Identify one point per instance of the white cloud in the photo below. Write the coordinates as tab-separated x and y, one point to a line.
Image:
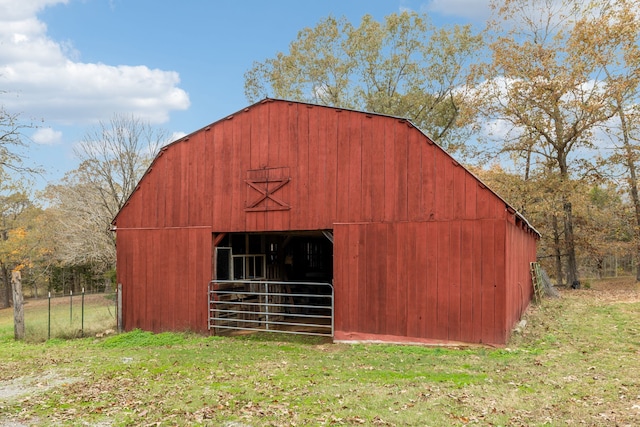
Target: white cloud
47	136
176	136
50	84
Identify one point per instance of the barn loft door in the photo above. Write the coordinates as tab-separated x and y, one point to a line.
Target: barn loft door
262	186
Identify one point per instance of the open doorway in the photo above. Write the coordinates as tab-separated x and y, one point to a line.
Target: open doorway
272	281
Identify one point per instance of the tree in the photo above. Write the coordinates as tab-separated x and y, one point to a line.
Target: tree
547	85
606	226
11	144
12	199
81	234
18	216
114	156
403	66
621	63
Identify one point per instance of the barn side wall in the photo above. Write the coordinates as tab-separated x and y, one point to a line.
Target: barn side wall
520	252
164	275
438	281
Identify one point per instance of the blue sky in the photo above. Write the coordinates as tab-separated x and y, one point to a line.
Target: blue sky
67	64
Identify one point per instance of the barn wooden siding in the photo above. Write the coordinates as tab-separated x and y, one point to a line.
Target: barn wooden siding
422	248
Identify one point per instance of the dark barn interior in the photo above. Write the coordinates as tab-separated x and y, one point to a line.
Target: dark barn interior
275	281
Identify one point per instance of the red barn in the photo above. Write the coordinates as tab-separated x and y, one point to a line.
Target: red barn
296	217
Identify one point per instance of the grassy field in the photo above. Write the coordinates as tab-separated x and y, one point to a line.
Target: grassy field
575	363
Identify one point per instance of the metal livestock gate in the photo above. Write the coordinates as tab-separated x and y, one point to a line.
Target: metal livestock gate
304	308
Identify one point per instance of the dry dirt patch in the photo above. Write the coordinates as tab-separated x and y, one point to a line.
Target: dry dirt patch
11	390
23	387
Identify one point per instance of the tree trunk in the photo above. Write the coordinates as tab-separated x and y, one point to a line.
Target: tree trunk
4	300
556	249
6	281
569	238
18	312
572	264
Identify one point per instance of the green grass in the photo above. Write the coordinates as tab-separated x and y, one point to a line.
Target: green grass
575	364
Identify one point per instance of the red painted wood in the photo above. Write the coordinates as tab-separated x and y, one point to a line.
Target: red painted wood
343	168
455	260
356	296
441	199
429	253
183	177
467	279
387	250
477	267
410	294
302	177
354	192
220	221
459	190
316	164
501	329
378	314
362	288
390	196
137	290
482	202
488	282
377	149
400	166
414	190
429	174
443	277
403	282
328	203
208	175
421	281
430	259
367	172
237	196
340	285
260	138
274	220
470	196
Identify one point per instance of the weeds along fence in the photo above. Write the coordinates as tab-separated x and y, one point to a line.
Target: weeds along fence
72	315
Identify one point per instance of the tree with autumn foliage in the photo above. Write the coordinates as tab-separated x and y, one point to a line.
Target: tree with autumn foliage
403	66
19	242
548	89
619	21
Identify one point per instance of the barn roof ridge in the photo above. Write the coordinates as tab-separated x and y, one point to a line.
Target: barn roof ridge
268	99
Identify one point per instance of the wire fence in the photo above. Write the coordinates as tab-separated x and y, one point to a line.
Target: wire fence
72	315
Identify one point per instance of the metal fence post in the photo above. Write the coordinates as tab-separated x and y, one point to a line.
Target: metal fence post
266	300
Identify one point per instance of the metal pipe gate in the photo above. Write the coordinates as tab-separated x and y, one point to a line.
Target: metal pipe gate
262	305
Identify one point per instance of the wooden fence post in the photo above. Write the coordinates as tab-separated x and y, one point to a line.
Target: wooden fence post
18	302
